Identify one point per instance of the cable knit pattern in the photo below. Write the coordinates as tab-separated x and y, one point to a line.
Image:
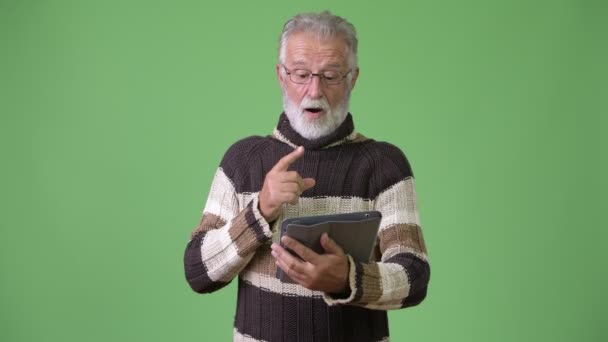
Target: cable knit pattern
352	174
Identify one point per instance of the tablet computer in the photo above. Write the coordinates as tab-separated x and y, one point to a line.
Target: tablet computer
355	232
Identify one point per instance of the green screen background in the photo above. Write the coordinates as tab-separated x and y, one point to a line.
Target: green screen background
115	115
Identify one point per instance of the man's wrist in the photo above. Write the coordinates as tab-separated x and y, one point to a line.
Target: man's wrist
344	292
265	215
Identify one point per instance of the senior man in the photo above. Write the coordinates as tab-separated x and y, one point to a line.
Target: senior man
314	163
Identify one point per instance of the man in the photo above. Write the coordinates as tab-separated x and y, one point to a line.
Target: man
314	163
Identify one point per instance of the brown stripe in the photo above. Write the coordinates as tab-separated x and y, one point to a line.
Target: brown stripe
263	262
208	222
408	235
242	235
371	284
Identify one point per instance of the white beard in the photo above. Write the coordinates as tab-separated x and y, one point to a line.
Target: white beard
315	128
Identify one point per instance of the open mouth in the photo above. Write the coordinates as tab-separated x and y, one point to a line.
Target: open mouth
314	110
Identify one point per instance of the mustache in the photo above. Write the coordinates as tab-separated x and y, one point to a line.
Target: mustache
314	103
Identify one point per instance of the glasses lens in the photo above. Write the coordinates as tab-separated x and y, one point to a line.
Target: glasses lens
300	76
304	76
332	77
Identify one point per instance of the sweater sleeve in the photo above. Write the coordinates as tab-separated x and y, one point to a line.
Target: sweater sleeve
400	278
226	238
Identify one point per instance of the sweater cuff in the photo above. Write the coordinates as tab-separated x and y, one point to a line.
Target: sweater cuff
334	298
256	220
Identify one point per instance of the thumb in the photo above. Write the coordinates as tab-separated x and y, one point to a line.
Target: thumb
330	245
308	183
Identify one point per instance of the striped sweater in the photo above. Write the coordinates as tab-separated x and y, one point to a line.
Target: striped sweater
352	174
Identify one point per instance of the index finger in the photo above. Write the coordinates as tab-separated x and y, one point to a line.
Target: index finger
288	159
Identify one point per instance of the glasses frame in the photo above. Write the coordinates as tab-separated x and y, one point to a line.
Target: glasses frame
319	75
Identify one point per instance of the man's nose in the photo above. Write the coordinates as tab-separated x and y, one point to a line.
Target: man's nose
314	88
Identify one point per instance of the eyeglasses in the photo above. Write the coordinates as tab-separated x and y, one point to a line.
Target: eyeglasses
303	76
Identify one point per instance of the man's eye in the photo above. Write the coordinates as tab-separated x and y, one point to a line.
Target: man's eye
330	76
301	74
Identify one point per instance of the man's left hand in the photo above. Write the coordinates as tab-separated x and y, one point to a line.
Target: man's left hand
326	272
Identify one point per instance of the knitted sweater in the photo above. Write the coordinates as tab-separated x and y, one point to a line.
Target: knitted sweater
352	174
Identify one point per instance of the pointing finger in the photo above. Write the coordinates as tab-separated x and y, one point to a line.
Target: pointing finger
288	159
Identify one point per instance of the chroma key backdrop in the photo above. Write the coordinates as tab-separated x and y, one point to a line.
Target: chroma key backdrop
115	115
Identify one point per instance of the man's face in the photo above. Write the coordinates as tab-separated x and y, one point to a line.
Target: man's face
315	109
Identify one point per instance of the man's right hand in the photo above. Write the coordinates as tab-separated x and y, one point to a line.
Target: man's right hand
282	186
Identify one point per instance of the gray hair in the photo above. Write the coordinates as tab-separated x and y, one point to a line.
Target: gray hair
324	25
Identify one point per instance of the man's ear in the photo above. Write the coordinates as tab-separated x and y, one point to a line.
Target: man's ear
280	75
354	78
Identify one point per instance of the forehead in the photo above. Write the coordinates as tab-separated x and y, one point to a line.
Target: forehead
305	49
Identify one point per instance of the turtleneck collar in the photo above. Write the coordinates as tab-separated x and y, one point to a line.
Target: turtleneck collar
344	133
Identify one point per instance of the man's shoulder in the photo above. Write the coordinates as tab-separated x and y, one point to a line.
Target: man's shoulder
387	157
247	145
241	152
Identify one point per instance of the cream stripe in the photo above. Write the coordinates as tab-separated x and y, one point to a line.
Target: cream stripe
326	206
273	284
395	283
238	337
222	200
392	251
219	254
398	204
354	135
311	207
279	136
